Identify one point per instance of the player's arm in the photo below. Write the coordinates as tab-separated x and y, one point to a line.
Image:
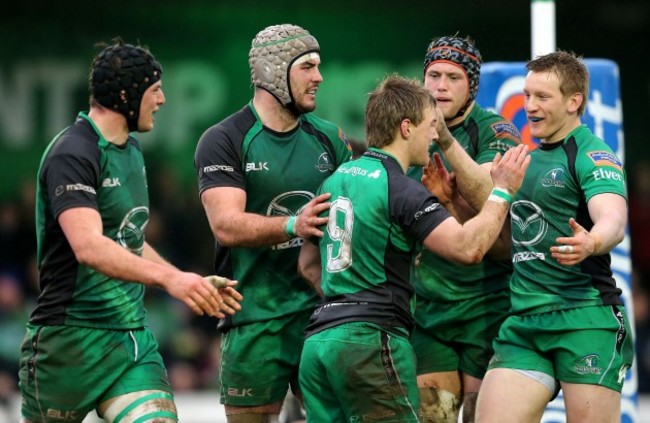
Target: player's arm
469	242
309	265
232	226
474	181
608	211
82	227
442	184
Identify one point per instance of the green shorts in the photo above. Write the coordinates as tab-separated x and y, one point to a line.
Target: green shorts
589	345
68	371
458	335
358	372
259	361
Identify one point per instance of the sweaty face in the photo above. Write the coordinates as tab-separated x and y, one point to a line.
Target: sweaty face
449	85
551	115
152	100
305	78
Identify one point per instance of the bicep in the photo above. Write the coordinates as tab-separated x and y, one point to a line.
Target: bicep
80	225
608	208
438	240
221	203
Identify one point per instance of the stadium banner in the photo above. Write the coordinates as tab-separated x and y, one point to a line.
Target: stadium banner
501	90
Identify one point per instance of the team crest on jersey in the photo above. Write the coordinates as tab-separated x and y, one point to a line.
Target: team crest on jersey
554	178
324	163
505	129
605	158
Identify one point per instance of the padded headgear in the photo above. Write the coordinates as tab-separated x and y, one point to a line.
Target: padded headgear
120	75
461	52
274	49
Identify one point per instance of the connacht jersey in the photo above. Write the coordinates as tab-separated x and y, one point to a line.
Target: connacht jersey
559	182
482	134
280	173
378	219
82	169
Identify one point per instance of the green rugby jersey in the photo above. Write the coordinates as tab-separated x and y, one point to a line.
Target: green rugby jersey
280	173
82	169
559	182
377	222
482	134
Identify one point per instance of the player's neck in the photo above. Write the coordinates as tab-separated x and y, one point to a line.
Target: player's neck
458	119
273	114
399	150
111	125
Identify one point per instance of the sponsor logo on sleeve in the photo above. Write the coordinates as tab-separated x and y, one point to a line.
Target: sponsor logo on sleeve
600	174
429	209
74	187
344	139
217	168
605	158
505	129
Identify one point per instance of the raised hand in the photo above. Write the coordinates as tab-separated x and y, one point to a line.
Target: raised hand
439	181
508	171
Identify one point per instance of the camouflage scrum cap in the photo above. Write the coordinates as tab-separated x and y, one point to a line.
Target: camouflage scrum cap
273	51
461	52
120	75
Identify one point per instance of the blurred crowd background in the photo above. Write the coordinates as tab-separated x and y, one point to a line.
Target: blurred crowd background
46	49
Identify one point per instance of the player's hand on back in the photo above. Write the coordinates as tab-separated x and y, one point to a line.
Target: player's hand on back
308	222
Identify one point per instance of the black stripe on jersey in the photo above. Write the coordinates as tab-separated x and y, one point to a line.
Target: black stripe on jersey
599	267
321	137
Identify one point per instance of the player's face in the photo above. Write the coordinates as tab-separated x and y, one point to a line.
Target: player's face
551	115
423	136
152	100
305	78
449	85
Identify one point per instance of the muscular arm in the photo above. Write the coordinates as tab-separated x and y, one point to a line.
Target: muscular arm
609	213
469	242
82	227
473	179
309	266
234	227
443	185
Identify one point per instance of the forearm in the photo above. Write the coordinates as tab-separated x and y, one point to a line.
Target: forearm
460	209
474	181
107	257
309	266
606	235
502	248
151	254
243	229
483	230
